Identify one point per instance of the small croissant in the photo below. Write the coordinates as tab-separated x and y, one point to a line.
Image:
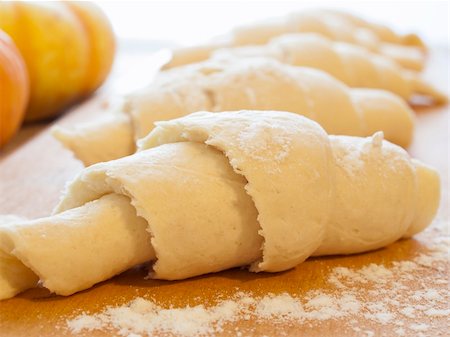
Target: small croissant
407	51
256	84
355	66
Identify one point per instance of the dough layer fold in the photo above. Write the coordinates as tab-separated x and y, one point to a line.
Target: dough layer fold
254	84
408	51
211	191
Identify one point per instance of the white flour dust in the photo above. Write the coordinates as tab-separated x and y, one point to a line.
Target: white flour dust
381	301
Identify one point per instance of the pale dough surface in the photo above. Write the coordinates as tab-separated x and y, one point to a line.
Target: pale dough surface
210	191
14	275
191	199
108	137
73	250
286	163
255	84
407	51
353	65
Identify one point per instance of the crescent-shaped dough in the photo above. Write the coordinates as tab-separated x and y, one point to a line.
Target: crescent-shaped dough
14	275
355	66
257	84
210	191
408	51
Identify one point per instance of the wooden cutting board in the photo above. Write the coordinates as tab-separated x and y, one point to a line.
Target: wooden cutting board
34	169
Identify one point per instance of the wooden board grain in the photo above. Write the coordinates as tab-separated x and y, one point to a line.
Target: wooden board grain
34	169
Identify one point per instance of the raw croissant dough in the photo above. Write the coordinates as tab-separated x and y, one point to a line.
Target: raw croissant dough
353	65
408	50
259	84
213	191
13	275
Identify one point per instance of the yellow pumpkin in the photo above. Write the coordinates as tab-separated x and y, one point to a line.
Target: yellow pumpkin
68	48
14	88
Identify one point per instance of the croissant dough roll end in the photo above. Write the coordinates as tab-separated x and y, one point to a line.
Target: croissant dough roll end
375	195
428	197
256	34
414	40
194	54
382	110
68	250
109	137
15	277
423	88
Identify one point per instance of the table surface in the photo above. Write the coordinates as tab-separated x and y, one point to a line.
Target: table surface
35	167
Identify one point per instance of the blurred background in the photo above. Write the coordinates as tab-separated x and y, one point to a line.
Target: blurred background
146	26
189	22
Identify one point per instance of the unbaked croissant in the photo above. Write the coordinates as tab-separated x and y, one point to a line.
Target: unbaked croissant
213	191
260	84
353	65
408	50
